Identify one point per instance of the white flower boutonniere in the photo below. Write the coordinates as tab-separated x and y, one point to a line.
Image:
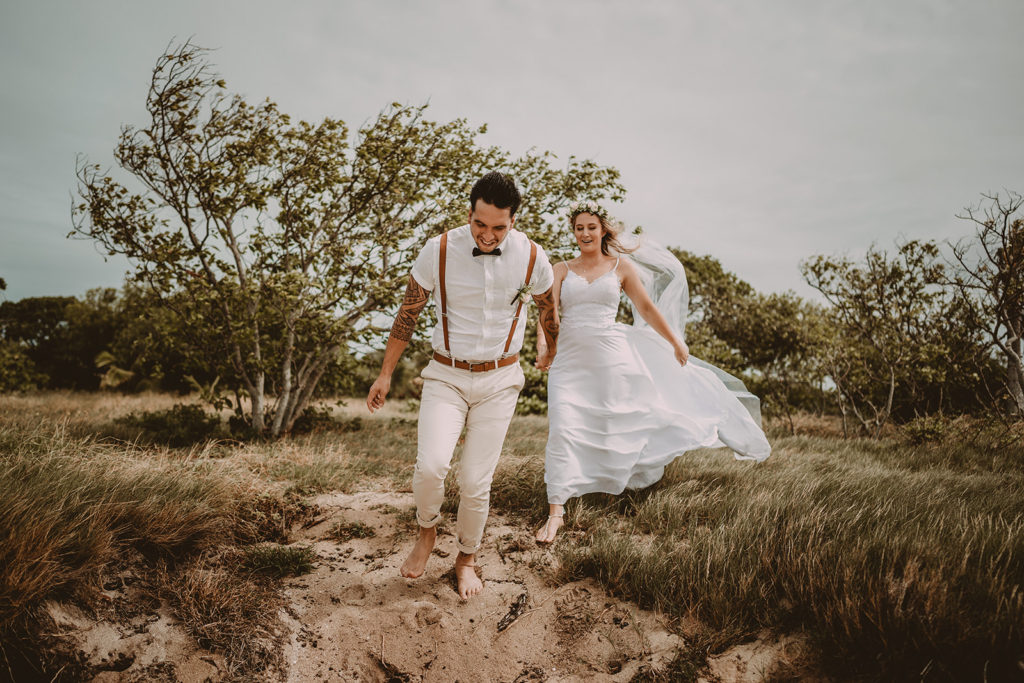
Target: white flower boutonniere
524	289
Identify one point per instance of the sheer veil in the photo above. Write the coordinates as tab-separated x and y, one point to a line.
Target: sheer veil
664	279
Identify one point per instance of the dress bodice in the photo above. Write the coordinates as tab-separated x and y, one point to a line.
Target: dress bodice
590	303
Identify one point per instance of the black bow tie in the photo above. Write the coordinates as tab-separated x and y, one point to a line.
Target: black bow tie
493	252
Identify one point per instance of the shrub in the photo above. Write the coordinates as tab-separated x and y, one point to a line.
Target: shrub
182	425
928	428
314	419
531	405
17	371
320	419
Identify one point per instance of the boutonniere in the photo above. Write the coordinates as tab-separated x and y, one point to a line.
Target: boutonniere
523	290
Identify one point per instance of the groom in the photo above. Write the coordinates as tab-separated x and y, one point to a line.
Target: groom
479	276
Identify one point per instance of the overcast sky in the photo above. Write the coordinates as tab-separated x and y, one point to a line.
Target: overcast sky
758	132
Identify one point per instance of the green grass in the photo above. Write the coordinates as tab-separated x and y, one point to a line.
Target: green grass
279	560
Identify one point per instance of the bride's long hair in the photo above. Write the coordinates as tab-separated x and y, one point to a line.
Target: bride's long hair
610	230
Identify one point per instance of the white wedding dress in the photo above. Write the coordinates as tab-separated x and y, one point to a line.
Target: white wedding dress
620	407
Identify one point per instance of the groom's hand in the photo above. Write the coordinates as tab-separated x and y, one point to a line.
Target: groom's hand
378	392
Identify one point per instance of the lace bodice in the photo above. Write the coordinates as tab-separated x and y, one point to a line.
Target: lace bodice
590	303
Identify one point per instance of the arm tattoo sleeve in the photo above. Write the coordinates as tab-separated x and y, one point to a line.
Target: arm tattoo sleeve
405	322
546	318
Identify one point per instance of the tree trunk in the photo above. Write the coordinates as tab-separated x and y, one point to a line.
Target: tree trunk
284	401
1015	376
259	403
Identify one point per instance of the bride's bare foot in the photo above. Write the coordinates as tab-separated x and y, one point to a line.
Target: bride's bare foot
465	574
547	533
416	563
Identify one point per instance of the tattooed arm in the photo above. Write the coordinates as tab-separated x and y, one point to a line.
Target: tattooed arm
547	326
544	354
401	332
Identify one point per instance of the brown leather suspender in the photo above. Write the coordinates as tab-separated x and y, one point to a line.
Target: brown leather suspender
444	297
519	308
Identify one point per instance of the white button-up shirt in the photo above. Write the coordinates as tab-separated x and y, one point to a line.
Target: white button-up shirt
480	290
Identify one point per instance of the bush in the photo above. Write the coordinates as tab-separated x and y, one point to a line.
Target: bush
926	429
531	405
182	425
17	371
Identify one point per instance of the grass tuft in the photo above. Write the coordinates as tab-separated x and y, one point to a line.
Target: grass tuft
279	561
346	531
227	612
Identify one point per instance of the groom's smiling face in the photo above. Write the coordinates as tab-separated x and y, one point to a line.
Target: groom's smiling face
489	225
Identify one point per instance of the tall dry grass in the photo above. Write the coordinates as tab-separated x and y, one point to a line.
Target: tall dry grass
71	506
75	500
898	562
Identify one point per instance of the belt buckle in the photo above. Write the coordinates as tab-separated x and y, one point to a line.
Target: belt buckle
483	365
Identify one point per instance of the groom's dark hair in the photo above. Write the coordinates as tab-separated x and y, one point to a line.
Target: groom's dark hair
497	189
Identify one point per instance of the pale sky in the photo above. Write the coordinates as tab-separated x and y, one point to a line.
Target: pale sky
759	132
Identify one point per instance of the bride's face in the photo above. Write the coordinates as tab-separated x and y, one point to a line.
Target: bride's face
588	232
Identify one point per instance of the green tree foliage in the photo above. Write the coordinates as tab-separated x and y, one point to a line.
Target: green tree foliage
17	371
773	341
282	245
61	335
896	332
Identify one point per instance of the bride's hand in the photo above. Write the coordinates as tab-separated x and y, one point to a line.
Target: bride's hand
682	353
543	361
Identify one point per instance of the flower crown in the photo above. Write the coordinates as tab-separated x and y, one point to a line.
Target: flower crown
587	206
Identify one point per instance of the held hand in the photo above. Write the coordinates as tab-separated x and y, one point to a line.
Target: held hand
378	392
544	360
682	353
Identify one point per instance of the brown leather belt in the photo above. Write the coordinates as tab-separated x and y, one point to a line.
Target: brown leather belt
483	366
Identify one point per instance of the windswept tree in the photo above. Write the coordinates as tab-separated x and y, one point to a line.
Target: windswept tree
280	244
887	346
988	277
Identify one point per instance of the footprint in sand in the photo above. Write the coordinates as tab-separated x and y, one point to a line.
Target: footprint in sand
427	613
354	595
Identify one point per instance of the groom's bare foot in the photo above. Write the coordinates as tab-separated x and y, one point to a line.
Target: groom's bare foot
547	533
465	574
416	563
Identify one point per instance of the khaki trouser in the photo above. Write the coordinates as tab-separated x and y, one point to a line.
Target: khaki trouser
483	403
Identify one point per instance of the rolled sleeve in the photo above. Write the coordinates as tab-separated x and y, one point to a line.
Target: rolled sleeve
543	275
423	268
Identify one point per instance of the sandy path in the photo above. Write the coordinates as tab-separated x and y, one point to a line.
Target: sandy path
356	618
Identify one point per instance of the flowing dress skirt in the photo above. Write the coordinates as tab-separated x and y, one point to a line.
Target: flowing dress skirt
621	408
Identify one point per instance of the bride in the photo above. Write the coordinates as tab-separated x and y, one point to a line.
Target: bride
625	400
